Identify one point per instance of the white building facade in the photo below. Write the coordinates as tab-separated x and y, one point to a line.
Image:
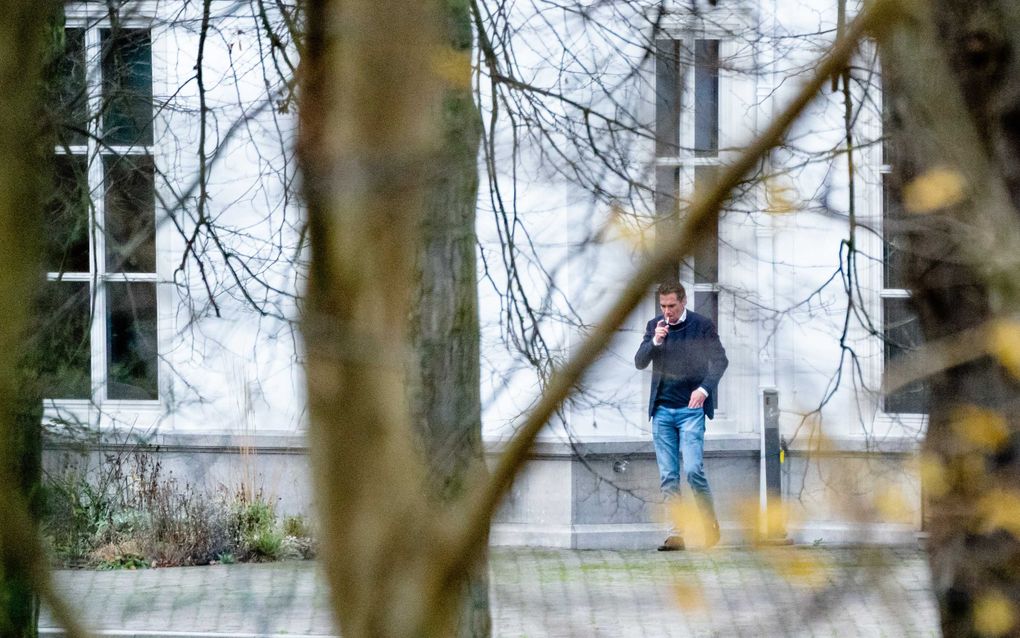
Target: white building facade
176	286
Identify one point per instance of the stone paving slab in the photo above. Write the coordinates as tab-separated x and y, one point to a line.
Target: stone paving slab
788	591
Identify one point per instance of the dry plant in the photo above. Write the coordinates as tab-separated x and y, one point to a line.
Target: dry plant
252	482
127	505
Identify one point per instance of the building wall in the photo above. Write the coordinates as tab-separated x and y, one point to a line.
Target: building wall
228	347
231	384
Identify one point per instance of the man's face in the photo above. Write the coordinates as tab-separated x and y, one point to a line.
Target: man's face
672	307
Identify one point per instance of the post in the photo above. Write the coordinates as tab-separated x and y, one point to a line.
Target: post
772	453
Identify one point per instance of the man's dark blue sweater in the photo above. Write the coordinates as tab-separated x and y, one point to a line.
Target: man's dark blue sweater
690	357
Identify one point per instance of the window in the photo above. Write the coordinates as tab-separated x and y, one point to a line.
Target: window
687	148
901	331
100	326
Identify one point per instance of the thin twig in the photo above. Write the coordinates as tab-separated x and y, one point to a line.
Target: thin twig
679	244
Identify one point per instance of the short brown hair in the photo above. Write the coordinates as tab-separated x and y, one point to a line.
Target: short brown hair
672	288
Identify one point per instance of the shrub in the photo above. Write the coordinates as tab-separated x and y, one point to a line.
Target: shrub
296	548
266	545
75	514
254	528
128	513
296	526
124	561
253	517
118	555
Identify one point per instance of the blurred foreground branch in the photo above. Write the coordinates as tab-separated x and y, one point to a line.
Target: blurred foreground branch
26	40
702	214
952	83
398	562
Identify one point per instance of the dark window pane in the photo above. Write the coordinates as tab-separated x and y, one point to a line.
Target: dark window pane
131	340
64	335
706	98
127	86
902	335
667	180
667	186
894	222
891	123
894	236
667	98
706	252
67	216
130	214
707	304
70	99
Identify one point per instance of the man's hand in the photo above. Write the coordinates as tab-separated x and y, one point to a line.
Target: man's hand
697	398
661	331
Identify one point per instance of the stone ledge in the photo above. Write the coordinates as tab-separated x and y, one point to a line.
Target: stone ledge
154	633
181	442
612	536
282	442
727	445
859	445
847	533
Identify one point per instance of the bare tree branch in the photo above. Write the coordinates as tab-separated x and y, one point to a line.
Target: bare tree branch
702	213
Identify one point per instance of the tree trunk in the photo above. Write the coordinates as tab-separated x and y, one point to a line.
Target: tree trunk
445	400
24	40
953	81
369	114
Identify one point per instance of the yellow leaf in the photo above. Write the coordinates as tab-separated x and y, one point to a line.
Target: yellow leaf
938	188
1004	344
452	66
801	567
685	515
781	197
625	225
778	517
1000	509
893	506
749	513
689	596
994	615
933	475
984	429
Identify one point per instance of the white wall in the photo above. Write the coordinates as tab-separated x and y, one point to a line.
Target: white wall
231	368
240	370
783	304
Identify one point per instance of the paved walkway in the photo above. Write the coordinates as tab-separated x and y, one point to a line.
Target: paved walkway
726	592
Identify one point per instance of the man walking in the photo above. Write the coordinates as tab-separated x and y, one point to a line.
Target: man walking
687	362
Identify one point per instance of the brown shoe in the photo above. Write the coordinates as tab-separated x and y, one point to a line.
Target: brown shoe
711	534
672	544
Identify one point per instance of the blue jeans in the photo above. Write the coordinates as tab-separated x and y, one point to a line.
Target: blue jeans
679	434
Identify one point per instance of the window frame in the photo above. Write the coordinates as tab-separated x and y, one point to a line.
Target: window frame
93	21
887	293
685	164
681	36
